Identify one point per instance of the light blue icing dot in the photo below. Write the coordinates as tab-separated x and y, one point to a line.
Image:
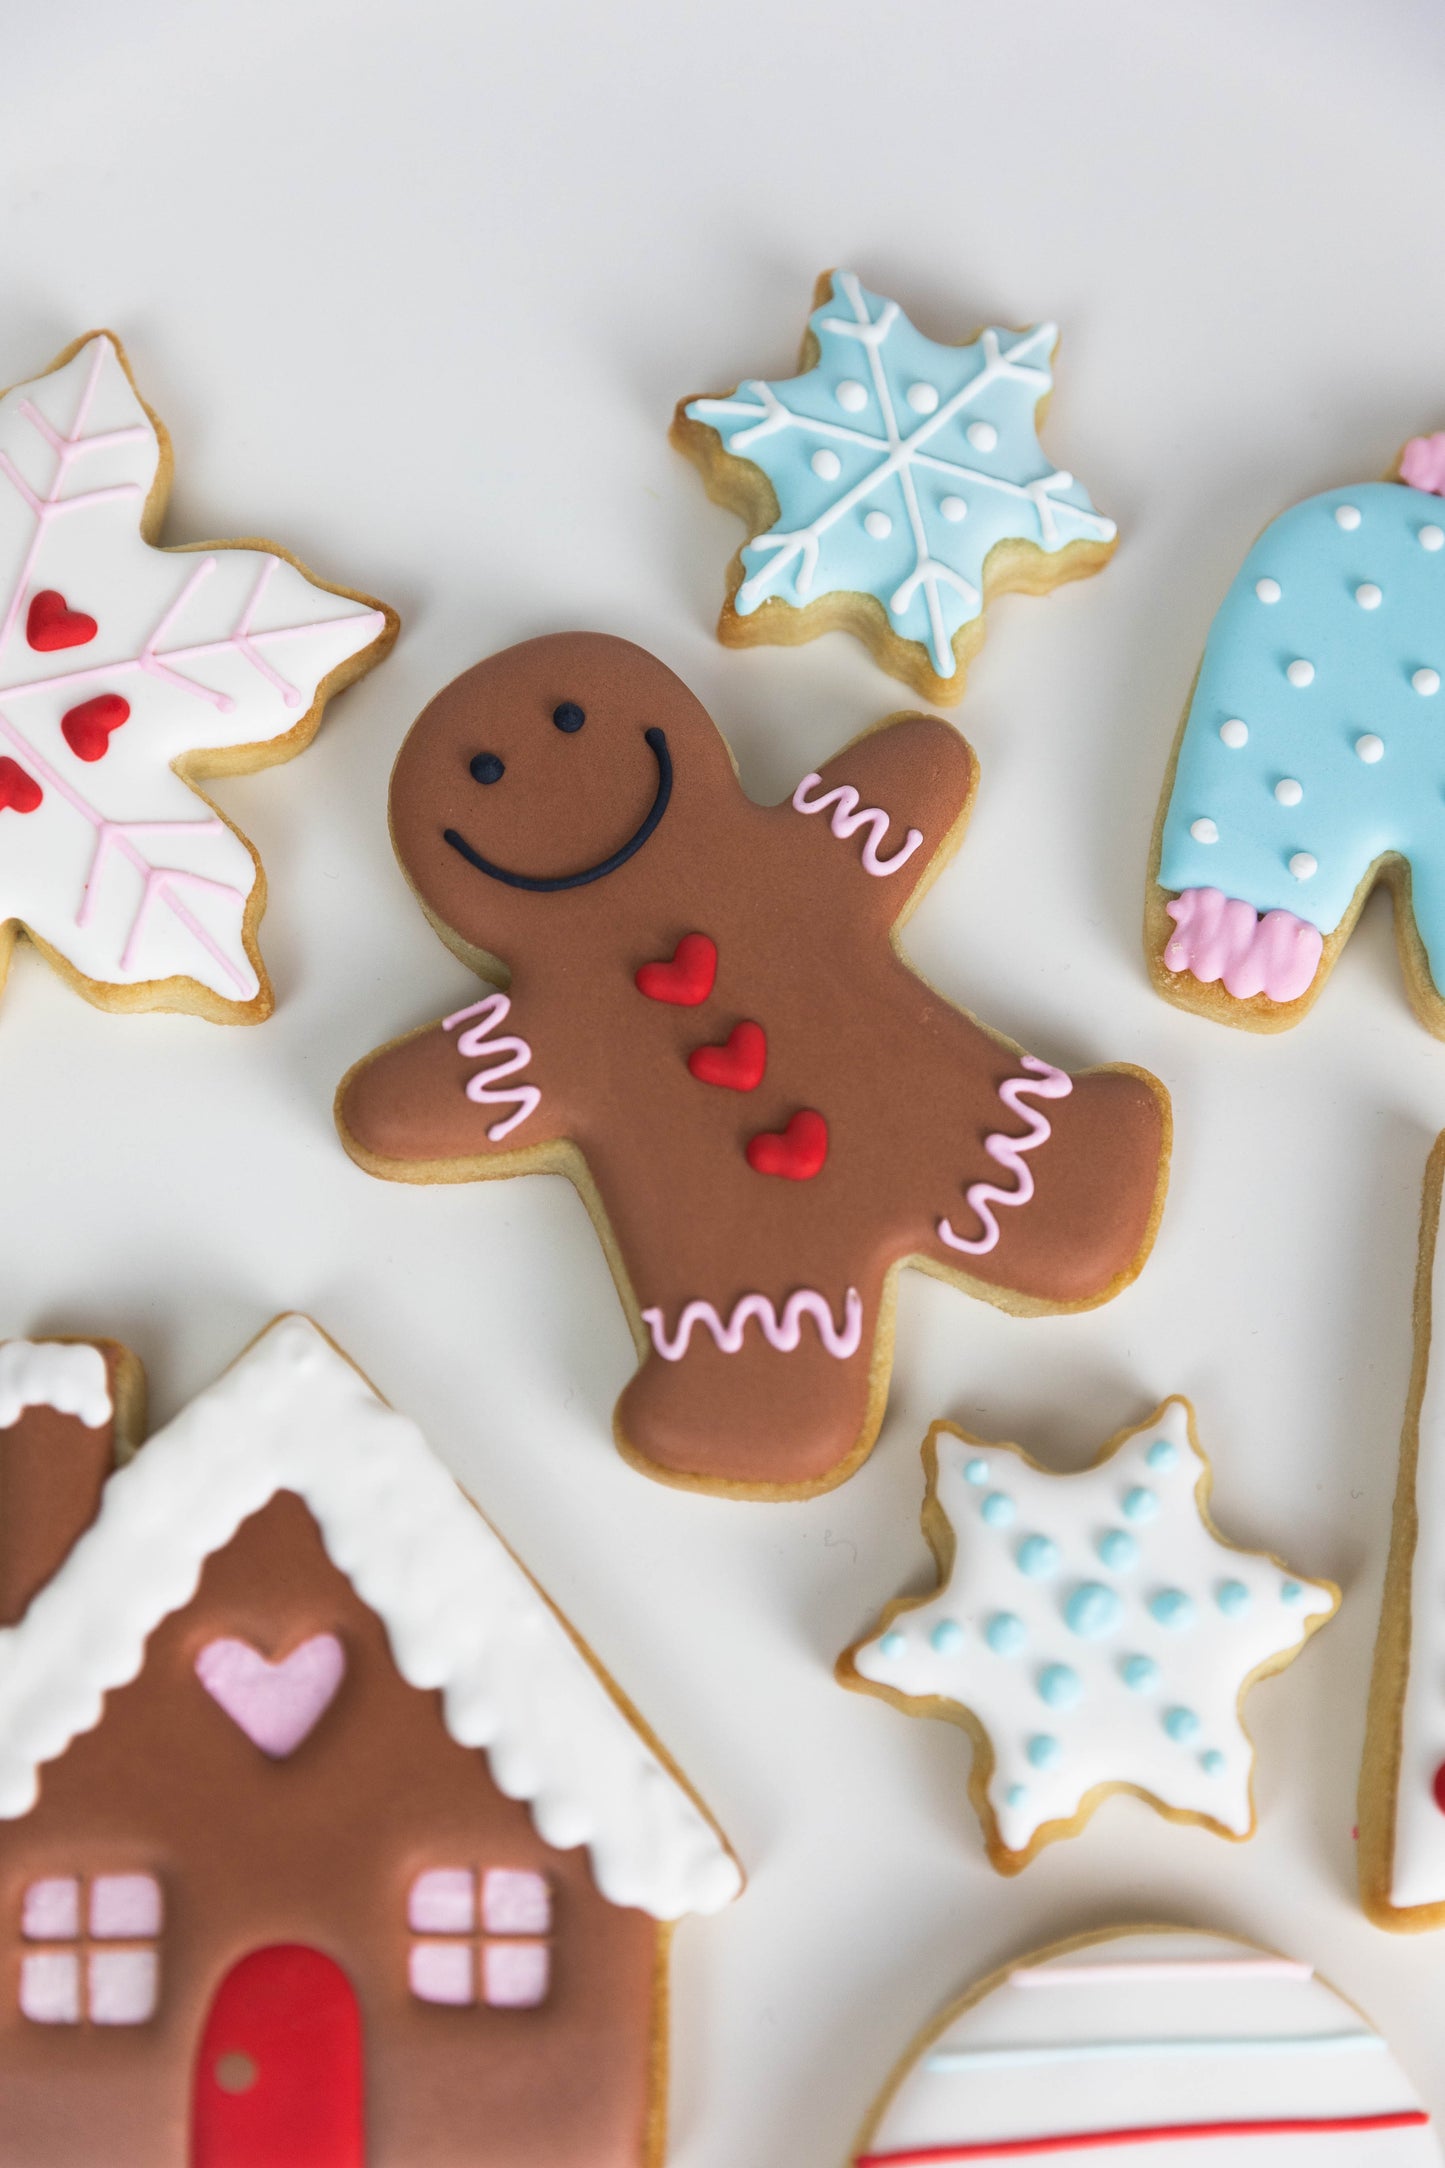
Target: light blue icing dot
1162	1453
1038	1557
1016	1794
1212	1763
1290	1592
893	1643
1140	1674
946	1637
1060	1685
1005	1633
1182	1725
1117	1550
1172	1608
976	1472
1043	1750
1140	1504
1232	1598
1092	1610
998	1509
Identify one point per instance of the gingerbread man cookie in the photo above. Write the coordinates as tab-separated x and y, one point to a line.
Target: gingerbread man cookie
709	1027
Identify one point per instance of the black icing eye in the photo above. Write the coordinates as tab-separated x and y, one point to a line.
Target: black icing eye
569	717
486	768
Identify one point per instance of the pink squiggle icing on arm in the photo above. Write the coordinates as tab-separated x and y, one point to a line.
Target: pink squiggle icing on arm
848	817
782	1333
1008	1151
515	1054
1219	937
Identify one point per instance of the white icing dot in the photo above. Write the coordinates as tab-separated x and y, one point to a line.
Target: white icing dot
852	398
1432	538
1303	864
879	525
922	398
827	466
1370	748
1204	830
1234	733
954	508
1347	516
982	436
1267	590
1288	791
1368	595
1301	672
1426	681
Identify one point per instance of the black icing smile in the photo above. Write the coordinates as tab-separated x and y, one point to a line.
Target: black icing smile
550	884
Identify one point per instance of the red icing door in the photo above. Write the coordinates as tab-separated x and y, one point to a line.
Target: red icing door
278	2078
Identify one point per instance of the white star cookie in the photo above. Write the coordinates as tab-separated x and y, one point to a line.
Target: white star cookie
1093	1632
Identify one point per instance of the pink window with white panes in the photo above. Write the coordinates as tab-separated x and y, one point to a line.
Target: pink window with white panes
90	1949
480	1938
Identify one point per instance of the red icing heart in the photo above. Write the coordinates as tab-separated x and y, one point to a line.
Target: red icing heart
738	1065
687	978
51	623
797	1152
17	789
87	728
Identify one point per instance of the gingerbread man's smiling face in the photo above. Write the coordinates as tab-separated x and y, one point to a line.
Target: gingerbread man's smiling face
561	769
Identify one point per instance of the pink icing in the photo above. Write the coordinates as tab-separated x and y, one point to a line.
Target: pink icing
847	817
1422	463
275	1705
983	1196
1219	937
782	1333
514	1054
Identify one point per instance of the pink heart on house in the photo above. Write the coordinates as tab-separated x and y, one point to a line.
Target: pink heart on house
275	1705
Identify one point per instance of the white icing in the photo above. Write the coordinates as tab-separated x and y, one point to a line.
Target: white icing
852	396
462	1617
1301	673
923	398
1432	538
1347	516
1304	865
982	436
1204	830
1368	595
827	465
1418	1871
1370	748
1234	733
879	525
1164	2031
69	1376
1267	590
1288	791
953	509
120	867
1127	1570
1426	682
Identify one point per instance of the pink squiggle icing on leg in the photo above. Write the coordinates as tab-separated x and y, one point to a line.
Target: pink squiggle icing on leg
514	1054
782	1333
983	1196
1220	937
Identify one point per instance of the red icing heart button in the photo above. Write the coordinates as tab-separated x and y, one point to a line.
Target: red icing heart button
1438	1787
51	623
18	791
687	976
87	729
738	1064
797	1152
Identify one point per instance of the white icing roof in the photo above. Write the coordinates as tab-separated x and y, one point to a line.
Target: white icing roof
461	1615
67	1375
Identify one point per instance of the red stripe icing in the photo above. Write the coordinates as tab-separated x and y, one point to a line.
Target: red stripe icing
934	2156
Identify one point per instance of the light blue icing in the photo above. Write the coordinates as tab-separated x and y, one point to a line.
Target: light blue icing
1351	810
1140	1504
976	1473
1060	1686
1212	1762
1043	1750
1172	1608
1140	1674
998	1509
1182	1725
1016	1794
1005	1633
1162	1453
1038	1557
1092	1610
905	461
946	1638
1233	1598
1290	1591
1117	1550
893	1643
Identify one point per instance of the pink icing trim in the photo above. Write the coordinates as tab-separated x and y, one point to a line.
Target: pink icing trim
1220	937
1422	463
515	1054
275	1705
983	1196
847	818
782	1333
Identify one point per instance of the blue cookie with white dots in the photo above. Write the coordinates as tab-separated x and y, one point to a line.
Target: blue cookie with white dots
1093	1633
1311	761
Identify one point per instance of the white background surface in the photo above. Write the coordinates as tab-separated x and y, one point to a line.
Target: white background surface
416	288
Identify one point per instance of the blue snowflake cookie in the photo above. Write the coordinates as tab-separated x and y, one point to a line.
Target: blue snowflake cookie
893	486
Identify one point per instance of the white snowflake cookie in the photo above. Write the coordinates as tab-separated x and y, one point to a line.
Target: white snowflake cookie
892	487
1092	1632
128	673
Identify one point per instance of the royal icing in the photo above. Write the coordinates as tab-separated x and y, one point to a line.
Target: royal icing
507	1055
276	1704
781	1332
462	1618
119	664
1150	2046
847	817
899	464
1042	1082
1311	748
69	1376
1097	1628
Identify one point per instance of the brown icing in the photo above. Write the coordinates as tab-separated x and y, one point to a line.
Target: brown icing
907	1084
52	1471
